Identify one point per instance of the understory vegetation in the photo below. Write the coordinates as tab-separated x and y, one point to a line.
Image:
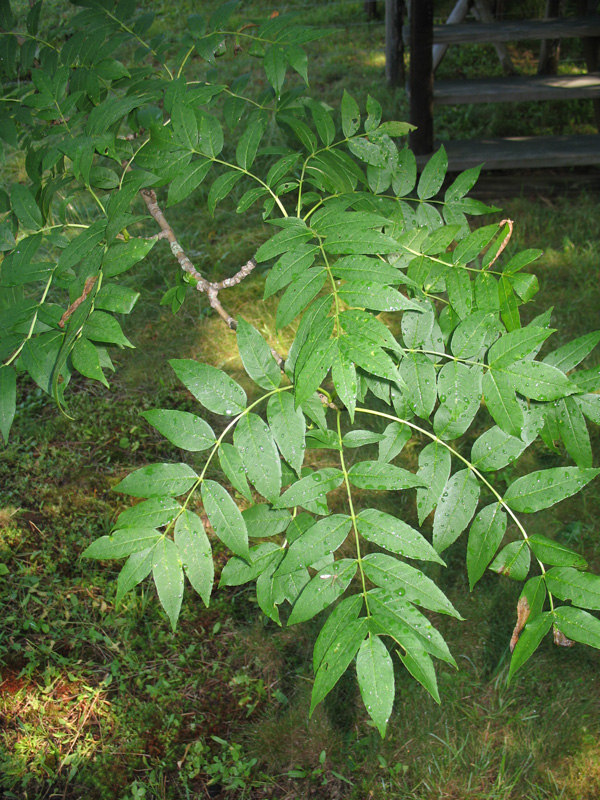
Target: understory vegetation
103	700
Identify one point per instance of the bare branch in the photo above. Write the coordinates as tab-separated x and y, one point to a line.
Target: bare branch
210	289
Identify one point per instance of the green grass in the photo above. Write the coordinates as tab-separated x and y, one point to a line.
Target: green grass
103	703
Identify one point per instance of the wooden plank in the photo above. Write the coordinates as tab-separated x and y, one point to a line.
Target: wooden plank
479	32
517	90
521	152
421	76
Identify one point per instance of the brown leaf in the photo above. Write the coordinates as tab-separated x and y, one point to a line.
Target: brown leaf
561	640
522	617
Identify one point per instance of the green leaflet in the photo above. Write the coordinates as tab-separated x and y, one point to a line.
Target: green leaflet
471	334
419	379
238	571
418	662
137	567
433	175
304	287
314	370
288	427
181	428
168	578
407	582
455	508
233	468
288	267
320	540
256	446
400	619
574	432
361	351
210	386
343	375
538	381
362	294
375	673
581	588
8	399
262	520
392	441
513	561
195	553
551	552
459	390
570	355
578	625
152	513
394	535
499	395
158	480
434	470
314	486
256	356
346	611
529	641
337	659
381	476
122	543
486	533
327	585
225	518
516	345
350	115
546	487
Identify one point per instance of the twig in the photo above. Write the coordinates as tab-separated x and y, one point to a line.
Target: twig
202	285
89	285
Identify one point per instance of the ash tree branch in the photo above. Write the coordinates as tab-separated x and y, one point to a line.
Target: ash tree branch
211	289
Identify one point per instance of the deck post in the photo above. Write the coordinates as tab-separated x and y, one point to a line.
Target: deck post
394	46
421	76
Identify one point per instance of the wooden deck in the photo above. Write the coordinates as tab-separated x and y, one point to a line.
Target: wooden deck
517	90
478	32
522	152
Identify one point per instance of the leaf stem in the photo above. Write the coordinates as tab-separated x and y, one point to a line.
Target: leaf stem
352	515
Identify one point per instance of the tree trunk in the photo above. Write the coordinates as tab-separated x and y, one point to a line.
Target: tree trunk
394	46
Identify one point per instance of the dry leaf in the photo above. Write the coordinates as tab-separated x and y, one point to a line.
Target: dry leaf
522	617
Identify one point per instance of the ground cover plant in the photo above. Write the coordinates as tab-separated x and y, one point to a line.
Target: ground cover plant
454	339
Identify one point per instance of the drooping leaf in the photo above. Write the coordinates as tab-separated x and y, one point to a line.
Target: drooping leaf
433	175
320	540
486	533
225	518
195	553
122	543
337	659
499	394
529	641
392	441
375	673
233	467
574	432
168	577
8	399
418	375
346	611
238	571
152	513
137	567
